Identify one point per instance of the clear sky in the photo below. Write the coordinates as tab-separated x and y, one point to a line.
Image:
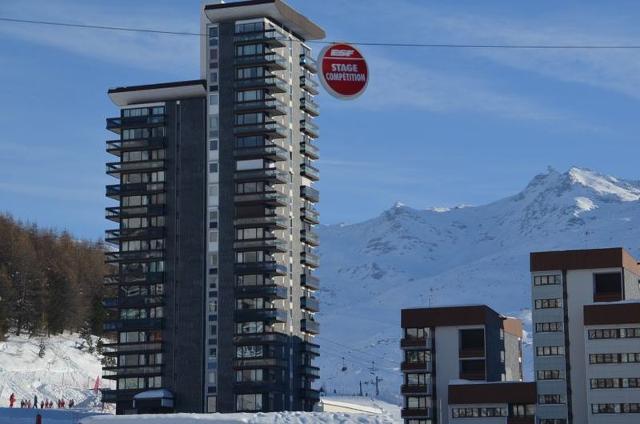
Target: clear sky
437	127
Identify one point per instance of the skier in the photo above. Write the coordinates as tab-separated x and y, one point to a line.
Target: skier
35	401
21	403
41	404
12	400
72	403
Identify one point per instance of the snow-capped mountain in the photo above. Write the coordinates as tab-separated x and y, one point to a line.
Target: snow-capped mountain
410	258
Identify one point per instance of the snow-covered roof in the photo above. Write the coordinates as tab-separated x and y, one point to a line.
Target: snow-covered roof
154	394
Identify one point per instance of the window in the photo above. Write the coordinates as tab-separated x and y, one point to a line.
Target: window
548	375
552	399
472	369
253	303
614	333
553	421
417	333
249	49
249	375
417	379
478	412
247	73
249	402
250	118
547	280
252	141
249	95
418	402
548	303
213	145
613	358
244	352
253	327
213	167
244	165
549	350
417	356
472	340
549	327
615	408
607	287
249	27
522	410
615	383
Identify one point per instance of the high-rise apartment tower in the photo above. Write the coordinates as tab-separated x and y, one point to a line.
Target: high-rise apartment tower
213	306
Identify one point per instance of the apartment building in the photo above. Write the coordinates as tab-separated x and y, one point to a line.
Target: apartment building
571	293
492	402
445	344
213	305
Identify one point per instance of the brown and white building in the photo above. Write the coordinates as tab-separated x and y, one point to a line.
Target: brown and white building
586	322
445	344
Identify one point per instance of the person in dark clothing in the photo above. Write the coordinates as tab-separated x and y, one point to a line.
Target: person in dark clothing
35	401
12	400
72	403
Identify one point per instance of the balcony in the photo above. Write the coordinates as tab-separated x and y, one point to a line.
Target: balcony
271	107
109	395
260	363
416	366
310	371
471	353
310	259
310	326
132	302
425	343
269	83
113	373
268	36
116	147
270	129
310	171
309	237
117	235
308	149
272	198
134	324
310	281
264	174
115	191
266	315
270	221
116	125
309	128
310	394
260	338
274	245
307	62
309	85
272	268
309	106
310	304
134	256
416	389
271	60
271	291
310	348
310	194
114	349
309	214
115	168
268	151
116	213
417	413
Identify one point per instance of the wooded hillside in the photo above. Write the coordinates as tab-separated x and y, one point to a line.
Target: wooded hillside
49	282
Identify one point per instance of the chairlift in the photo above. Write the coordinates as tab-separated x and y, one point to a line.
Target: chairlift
344	366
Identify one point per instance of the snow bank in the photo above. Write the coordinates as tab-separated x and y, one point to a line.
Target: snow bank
260	418
64	372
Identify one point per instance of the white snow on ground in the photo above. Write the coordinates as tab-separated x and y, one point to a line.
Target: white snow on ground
64	372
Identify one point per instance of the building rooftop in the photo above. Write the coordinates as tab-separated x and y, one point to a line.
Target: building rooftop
443	316
615	257
139	94
277	10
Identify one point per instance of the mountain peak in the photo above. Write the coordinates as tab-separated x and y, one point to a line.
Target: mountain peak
604	185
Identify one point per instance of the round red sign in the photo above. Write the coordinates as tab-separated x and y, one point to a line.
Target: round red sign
343	71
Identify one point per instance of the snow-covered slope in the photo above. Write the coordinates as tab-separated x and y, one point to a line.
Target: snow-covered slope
64	372
409	258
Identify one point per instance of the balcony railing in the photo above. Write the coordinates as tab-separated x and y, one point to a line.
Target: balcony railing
309	326
311	371
271	107
116	147
269	129
116	213
276	245
138	255
309	128
417	389
416	413
271	221
310	259
115	372
113	349
260	338
309	106
261	268
271	291
310	281
116	235
266	315
268	151
273	198
260	363
426	342
307	62
117	124
310	171
268	36
310	303
309	214
416	366
270	83
115	191
309	237
263	174
310	394
270	60
310	348
134	324
309	149
114	168
309	193
309	85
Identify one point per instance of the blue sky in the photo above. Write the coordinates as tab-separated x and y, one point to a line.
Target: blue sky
436	127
